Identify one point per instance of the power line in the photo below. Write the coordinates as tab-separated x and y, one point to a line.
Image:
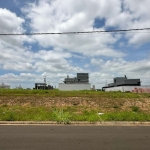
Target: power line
87	32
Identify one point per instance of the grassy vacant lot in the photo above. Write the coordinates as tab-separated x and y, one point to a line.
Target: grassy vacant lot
64	106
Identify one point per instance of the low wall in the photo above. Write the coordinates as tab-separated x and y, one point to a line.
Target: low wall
74	87
135	89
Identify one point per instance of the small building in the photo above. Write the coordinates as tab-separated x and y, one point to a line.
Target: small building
122	83
4	86
43	86
81	78
80	82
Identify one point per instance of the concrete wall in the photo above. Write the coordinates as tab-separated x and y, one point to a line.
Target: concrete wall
125	88
74	87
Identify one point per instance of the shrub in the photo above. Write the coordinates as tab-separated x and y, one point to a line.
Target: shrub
135	108
61	116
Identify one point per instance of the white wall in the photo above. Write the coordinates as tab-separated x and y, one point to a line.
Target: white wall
74	87
124	88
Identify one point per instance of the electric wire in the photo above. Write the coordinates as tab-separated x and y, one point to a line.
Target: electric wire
82	32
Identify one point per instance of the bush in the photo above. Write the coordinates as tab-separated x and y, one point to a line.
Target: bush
61	116
135	108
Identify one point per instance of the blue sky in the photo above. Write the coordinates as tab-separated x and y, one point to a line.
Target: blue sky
27	59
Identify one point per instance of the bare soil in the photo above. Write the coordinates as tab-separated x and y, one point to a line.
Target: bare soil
102	104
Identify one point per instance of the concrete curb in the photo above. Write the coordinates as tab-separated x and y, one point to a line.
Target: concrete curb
78	123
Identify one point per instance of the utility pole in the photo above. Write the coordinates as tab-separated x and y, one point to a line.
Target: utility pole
44	82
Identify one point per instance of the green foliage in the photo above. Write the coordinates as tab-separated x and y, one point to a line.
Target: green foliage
126	116
18	113
115	107
75	112
135	108
61	116
10	117
82	93
90	116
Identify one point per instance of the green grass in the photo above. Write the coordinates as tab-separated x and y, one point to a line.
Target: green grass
18	113
61	116
84	93
90	116
126	116
135	109
30	105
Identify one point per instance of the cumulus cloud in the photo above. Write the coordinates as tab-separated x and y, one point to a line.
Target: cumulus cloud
18	66
26	80
13	54
15	59
56	67
50	61
56	16
51	56
10	23
133	15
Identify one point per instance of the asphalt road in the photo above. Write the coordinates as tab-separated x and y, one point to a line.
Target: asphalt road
45	137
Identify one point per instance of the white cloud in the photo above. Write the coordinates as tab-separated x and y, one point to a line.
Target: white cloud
16	59
50	61
51	56
56	16
13	55
56	67
135	15
18	66
10	23
25	79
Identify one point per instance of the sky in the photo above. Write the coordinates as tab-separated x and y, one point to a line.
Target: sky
25	60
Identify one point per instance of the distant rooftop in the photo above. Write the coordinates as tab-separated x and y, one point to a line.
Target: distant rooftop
81	78
124	81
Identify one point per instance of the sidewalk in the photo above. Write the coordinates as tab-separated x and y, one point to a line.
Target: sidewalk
78	123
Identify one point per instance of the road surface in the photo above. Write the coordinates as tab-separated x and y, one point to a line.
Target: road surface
48	137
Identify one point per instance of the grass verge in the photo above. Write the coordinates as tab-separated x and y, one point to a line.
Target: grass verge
84	93
17	113
66	106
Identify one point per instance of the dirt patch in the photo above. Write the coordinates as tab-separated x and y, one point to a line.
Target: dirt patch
103	104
